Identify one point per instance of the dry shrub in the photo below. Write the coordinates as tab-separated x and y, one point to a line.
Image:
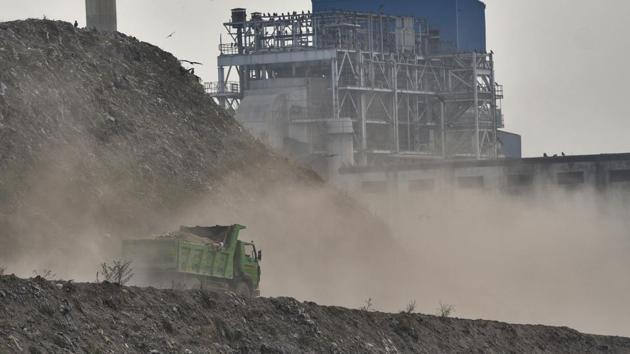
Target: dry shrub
118	272
411	307
446	310
368	306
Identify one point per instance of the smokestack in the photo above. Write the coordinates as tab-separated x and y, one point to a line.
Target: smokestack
101	15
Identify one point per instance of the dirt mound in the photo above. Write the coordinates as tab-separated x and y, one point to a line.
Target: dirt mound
101	133
104	137
112	103
40	316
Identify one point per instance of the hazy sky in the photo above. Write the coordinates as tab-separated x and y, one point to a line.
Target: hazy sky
562	62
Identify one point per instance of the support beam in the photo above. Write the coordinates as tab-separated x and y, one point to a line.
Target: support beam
493	107
395	108
443	129
334	82
277	58
363	113
476	107
221	87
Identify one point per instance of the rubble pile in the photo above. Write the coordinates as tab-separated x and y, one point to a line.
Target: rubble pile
40	316
105	138
99	131
110	99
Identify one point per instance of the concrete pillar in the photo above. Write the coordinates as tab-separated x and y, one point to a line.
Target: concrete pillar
221	87
396	126
340	145
334	78
101	15
443	129
363	112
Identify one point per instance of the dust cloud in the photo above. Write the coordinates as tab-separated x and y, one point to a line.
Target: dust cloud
549	257
70	211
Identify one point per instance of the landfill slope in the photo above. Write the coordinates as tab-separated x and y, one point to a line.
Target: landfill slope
39	316
106	99
104	138
102	133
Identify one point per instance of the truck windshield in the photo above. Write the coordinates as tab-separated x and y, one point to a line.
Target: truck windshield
250	251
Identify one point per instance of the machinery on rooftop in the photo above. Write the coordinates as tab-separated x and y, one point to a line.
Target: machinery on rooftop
101	15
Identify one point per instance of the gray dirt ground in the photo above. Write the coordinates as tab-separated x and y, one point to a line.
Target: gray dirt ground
39	316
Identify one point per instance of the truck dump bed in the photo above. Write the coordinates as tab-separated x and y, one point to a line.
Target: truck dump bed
204	251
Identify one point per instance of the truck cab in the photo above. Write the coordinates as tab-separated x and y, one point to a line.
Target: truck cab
248	265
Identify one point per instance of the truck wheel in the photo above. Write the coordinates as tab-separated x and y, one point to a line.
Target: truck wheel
242	289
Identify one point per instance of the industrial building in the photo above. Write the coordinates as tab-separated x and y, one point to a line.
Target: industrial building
407	191
461	24
386	96
598	172
362	83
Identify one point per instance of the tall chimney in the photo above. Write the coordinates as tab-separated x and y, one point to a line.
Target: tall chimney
101	14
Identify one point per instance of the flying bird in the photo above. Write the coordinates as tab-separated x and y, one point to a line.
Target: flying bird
190	62
170	35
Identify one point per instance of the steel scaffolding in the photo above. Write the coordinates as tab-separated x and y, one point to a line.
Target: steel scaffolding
384	73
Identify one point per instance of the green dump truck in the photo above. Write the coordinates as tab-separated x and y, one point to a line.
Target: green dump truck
197	257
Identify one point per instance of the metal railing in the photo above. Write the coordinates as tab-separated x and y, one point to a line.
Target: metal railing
499	91
230	89
228	48
335	29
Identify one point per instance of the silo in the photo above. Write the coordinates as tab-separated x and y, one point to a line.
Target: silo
461	23
101	15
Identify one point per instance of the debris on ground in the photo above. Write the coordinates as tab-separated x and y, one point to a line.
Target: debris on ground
39	316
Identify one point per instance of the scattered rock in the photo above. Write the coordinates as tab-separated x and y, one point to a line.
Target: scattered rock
281	325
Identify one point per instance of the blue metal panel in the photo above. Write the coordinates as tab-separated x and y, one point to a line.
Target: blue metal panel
471	23
510	144
461	23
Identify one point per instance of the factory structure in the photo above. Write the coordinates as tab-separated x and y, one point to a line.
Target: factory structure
394	97
387	96
366	83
